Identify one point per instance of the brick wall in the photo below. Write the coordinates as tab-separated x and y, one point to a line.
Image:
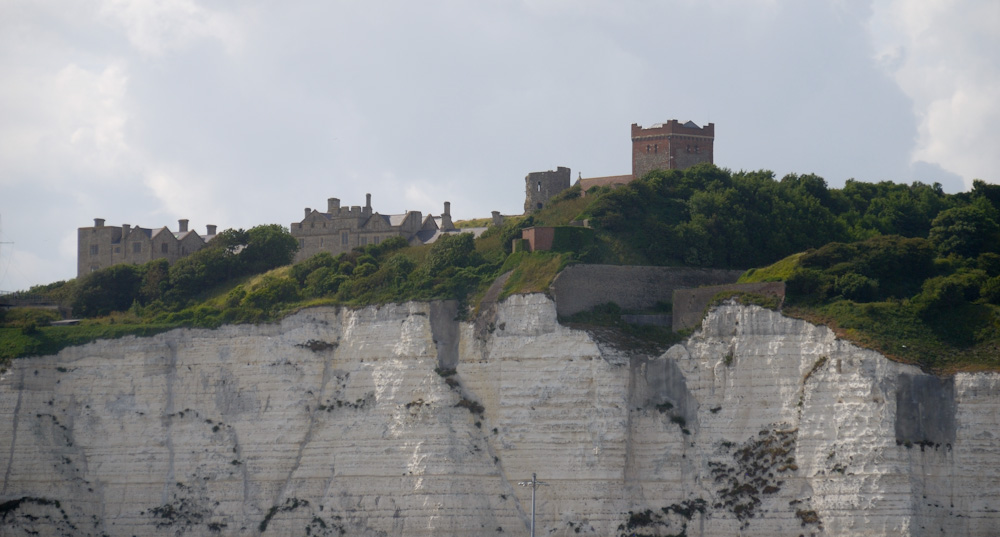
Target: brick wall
670	146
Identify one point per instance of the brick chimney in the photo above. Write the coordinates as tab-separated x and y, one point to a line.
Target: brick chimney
182	225
98	222
308	210
211	229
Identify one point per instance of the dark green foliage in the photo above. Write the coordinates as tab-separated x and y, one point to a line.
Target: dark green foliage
576	239
966	231
111	289
875	269
452	252
706	216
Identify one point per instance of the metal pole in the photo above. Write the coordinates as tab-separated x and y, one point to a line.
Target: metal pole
533	484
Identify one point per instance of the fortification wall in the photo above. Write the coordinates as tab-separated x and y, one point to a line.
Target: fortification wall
581	287
690	304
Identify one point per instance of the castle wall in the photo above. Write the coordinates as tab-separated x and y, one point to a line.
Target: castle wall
581	287
539	187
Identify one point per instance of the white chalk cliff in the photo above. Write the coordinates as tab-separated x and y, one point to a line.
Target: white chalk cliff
336	422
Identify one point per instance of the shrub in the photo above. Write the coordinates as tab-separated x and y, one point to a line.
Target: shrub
856	287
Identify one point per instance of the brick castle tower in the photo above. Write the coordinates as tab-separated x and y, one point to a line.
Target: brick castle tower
670	146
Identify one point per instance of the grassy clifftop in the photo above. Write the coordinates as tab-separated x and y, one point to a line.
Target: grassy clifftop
905	269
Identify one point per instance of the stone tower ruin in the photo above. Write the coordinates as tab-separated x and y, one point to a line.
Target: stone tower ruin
539	187
670	146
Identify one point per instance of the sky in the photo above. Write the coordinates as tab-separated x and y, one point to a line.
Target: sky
242	113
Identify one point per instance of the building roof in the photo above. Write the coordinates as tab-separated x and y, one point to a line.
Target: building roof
590	182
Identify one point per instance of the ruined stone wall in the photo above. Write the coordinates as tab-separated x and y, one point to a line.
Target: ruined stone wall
539	187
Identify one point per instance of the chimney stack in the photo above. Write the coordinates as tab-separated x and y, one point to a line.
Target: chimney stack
446	222
211	229
182	225
125	229
332	205
368	201
98	222
308	210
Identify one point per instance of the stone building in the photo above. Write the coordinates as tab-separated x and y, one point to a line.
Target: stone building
102	246
671	146
663	146
539	187
340	229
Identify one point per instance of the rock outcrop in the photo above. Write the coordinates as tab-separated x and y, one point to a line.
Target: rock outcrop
400	420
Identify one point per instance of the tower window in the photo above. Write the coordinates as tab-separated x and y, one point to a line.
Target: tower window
344	238
93	249
137	248
539	186
163	248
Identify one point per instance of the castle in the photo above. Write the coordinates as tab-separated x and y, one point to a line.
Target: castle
664	146
102	246
341	229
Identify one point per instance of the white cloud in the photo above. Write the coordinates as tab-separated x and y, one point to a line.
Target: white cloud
159	26
945	55
64	124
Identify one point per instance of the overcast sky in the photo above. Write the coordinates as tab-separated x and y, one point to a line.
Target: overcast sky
243	113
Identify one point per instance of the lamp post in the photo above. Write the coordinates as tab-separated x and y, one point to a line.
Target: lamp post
534	485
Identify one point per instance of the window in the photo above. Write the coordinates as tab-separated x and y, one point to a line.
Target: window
321	242
302	243
377	239
164	248
184	250
655	147
539	186
364	241
344	237
136	247
118	249
93	249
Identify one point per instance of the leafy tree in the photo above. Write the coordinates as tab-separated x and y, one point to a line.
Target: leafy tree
267	247
966	231
110	289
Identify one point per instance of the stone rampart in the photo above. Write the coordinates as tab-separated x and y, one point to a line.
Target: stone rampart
581	287
690	304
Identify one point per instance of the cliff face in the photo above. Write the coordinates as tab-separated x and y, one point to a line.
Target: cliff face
335	422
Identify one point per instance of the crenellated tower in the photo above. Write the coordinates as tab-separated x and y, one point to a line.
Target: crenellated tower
670	146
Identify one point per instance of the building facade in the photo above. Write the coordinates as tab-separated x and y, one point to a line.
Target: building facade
341	229
102	246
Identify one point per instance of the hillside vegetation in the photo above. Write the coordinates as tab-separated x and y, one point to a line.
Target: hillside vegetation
906	269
